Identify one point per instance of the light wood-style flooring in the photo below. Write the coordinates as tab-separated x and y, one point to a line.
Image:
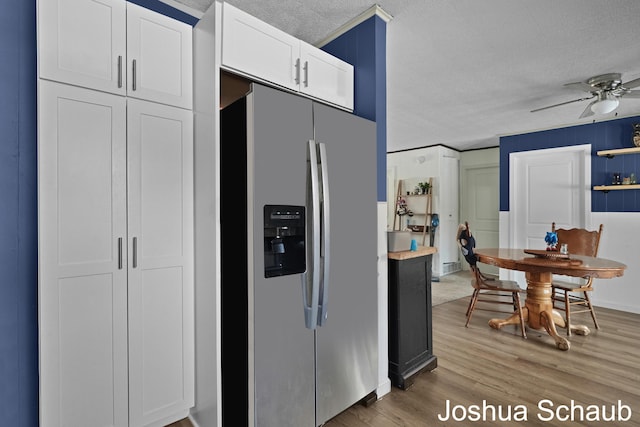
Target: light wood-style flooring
477	364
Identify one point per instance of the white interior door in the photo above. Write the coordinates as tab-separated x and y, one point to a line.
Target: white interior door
481	203
551	185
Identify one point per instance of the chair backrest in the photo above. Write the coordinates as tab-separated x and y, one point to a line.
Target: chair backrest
467	243
579	240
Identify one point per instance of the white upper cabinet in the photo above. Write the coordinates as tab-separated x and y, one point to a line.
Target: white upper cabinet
159	58
83	42
255	48
326	77
117	47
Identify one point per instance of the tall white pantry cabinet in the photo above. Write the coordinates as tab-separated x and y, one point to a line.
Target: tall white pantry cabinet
115	213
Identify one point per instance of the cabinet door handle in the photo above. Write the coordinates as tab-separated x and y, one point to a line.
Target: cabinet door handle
133	82
306	73
135	252
297	78
119	253
119	71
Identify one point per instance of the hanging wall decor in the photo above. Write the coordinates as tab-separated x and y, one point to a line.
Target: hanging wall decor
636	134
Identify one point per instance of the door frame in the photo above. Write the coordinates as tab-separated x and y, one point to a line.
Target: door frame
518	160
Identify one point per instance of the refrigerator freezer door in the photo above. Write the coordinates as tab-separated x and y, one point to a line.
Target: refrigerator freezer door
284	374
279	127
347	343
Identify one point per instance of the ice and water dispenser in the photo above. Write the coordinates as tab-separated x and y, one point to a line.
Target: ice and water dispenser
284	243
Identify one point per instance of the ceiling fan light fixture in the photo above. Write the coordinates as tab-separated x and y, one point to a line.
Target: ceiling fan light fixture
605	104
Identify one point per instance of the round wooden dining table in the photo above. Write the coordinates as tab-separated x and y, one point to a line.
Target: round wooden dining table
539	269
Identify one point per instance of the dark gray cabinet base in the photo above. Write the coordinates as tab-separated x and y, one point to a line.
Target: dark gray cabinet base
410	334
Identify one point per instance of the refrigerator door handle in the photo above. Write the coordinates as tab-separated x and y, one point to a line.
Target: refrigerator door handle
326	233
311	280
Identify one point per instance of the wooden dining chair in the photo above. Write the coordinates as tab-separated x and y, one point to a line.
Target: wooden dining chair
573	297
488	290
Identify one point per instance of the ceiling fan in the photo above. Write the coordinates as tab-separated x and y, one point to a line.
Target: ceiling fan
606	89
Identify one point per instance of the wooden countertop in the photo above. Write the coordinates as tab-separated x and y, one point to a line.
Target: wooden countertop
422	251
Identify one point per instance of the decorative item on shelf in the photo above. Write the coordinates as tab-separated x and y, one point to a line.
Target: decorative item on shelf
424	187
626	180
551	239
616	180
401	207
632	178
636	134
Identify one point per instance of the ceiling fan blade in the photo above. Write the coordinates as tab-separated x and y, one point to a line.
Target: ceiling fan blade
631	84
632	94
580	86
588	111
562	103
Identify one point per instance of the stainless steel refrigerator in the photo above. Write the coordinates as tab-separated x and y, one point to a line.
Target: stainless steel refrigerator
299	260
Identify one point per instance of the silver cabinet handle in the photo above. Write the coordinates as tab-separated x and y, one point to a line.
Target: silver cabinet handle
133	82
135	252
297	71
306	73
119	71
119	253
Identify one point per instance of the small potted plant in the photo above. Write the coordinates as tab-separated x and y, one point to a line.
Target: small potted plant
424	187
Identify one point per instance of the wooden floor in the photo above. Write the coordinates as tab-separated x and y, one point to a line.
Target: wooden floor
498	366
479	364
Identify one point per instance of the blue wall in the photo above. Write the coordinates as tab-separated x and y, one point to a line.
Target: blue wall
18	216
606	135
166	10
364	47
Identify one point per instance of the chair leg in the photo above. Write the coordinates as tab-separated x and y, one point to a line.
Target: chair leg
516	297
592	311
567	310
473	296
472	305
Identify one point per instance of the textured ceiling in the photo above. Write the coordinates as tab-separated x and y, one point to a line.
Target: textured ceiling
463	72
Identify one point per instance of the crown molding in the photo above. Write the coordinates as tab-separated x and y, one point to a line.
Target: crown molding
374	10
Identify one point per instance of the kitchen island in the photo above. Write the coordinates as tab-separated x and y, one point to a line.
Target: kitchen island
410	335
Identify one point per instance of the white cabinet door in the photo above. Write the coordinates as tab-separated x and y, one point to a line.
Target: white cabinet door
118	47
159	57
82	257
326	77
161	299
254	47
83	42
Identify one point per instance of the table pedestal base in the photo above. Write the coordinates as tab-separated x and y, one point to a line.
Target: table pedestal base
538	312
